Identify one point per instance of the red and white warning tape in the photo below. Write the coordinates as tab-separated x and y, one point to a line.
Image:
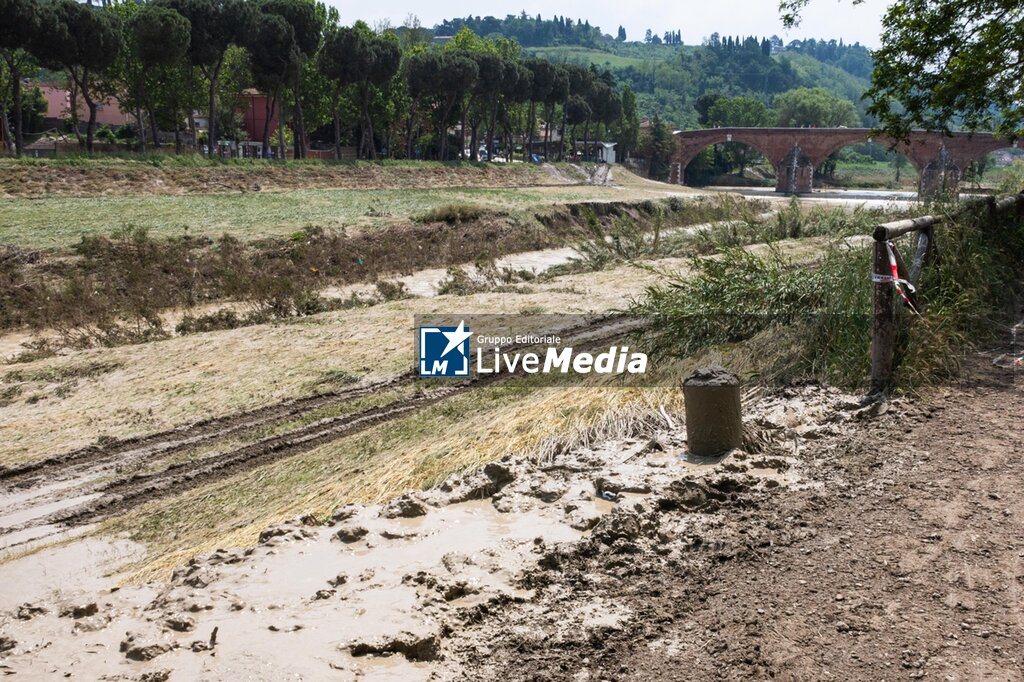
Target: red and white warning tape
895	278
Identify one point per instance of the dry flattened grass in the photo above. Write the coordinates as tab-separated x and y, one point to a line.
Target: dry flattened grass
161	385
416	452
168	176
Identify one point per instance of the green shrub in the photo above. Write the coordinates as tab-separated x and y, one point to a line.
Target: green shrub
392	290
222	319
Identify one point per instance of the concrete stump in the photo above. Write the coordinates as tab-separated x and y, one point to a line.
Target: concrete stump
714	419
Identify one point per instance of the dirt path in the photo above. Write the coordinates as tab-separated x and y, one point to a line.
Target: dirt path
901	555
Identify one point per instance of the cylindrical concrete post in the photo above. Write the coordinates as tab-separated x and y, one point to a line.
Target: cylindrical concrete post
714	419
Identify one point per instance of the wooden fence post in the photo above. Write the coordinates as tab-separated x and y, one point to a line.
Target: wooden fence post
883	324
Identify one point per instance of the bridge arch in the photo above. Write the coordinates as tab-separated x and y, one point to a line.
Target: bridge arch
726	138
879	144
972	158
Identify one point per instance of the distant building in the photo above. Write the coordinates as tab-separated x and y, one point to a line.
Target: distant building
256	115
1006	157
58	109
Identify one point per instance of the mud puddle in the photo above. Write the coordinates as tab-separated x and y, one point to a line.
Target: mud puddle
35	511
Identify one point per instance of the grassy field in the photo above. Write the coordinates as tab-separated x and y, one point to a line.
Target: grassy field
882	174
574	54
61	221
878	174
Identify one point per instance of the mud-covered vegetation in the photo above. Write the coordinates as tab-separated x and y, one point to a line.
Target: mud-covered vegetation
113	289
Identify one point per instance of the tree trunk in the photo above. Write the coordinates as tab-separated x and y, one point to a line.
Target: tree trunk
561	144
141	123
490	130
547	131
211	127
5	131
367	136
177	139
265	139
337	124
19	121
90	130
193	133
280	133
441	142
300	121
73	106
442	136
154	128
411	125
462	132
473	155
409	130
586	140
528	138
138	112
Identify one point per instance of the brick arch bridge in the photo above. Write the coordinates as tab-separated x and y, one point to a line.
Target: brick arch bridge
795	152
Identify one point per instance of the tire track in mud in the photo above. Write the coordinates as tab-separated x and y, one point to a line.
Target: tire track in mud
125	492
122	494
168	442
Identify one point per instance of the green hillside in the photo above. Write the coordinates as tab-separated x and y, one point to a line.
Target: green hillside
668	79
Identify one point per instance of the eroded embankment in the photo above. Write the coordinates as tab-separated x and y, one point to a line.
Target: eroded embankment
37	178
131	278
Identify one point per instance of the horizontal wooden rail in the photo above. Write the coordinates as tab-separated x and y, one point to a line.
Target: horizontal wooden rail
887	231
898	228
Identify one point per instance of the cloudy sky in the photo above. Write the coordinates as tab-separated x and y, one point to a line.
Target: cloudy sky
695	18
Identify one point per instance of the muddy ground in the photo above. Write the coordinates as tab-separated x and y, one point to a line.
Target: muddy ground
851	540
896	554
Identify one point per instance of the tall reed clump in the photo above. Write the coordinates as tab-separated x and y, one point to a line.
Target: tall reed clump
966	298
819	316
815	321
